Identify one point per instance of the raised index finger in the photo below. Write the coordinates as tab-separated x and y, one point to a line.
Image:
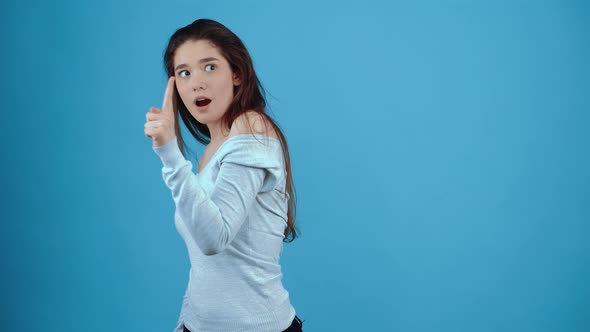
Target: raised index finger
168	103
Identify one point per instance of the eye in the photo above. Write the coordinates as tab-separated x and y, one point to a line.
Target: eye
210	66
183	73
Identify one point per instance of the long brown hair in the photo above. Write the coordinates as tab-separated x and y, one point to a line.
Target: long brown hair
248	96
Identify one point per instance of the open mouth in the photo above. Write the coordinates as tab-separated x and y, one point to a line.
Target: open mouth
203	102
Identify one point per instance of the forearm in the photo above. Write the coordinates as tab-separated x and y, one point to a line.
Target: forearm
213	220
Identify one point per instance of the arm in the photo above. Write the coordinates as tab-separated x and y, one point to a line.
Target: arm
212	220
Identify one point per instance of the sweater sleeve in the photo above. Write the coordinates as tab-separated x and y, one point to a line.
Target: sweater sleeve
246	168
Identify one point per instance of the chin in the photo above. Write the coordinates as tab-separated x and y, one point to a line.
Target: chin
199	117
205	119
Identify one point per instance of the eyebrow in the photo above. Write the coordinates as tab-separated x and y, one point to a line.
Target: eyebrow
184	65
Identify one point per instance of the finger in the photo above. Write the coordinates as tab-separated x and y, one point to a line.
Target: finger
167	104
155	110
149	116
153	124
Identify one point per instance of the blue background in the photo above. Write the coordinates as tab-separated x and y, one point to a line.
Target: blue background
440	154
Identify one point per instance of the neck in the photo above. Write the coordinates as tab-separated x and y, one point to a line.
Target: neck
218	132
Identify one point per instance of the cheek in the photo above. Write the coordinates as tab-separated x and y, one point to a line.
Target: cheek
228	88
184	95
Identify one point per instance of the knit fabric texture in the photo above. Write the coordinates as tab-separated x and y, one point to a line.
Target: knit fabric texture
232	216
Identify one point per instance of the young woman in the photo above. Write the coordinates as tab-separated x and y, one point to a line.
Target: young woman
237	211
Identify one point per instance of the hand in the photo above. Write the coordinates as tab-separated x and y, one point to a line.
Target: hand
159	124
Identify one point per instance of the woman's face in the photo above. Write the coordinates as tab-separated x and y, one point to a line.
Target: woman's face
201	72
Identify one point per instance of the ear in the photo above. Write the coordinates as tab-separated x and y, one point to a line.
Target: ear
236	79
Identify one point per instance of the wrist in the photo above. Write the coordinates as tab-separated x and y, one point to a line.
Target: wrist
169	153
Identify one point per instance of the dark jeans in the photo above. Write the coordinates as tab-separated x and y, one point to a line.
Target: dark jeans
296	326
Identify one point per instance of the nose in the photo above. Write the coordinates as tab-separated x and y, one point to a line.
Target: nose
198	83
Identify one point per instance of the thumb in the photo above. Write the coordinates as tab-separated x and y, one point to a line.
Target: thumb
155	110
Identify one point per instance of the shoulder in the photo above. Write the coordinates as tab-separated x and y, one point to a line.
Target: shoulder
252	122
